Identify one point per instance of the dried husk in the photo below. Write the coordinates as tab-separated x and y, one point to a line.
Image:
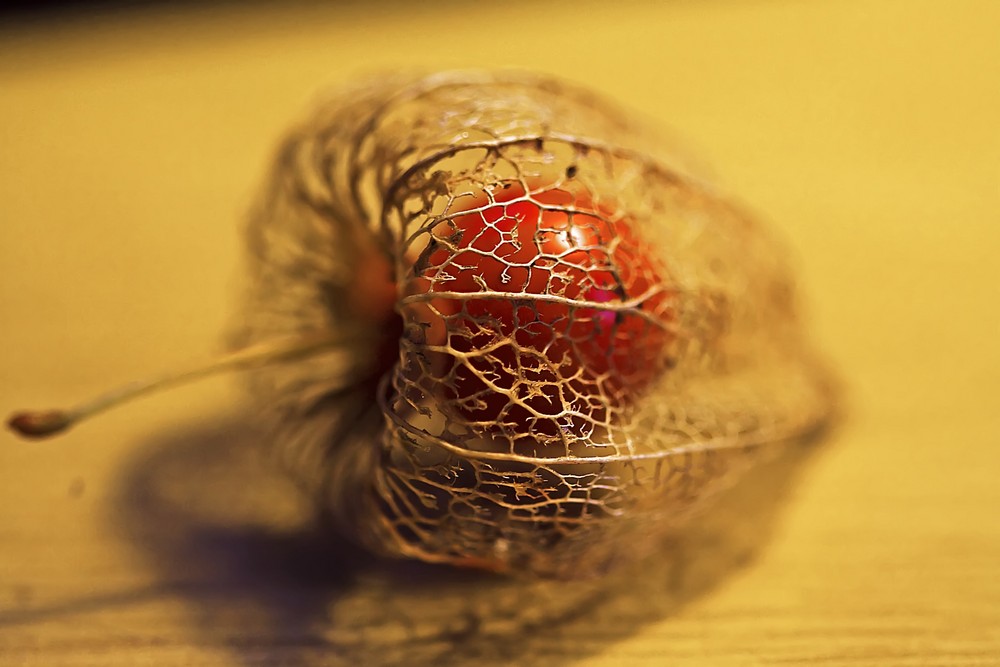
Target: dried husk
397	462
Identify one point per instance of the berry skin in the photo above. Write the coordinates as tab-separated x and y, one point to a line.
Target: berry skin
523	336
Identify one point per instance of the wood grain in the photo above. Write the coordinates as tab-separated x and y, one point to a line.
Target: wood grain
131	145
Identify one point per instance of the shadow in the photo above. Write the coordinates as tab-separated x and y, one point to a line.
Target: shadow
235	539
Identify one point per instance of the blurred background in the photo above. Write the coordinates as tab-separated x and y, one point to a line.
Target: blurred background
133	137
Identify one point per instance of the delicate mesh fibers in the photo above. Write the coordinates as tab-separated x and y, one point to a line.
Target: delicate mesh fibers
591	340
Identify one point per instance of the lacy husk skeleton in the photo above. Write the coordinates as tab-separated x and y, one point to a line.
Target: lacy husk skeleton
477	445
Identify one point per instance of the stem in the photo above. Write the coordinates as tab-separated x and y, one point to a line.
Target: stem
45	423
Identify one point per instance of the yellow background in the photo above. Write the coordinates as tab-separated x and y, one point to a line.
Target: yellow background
867	132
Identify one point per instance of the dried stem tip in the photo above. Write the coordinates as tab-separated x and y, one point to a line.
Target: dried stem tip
40	424
43	423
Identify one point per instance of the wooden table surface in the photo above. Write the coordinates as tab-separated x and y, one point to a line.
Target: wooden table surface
131	145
